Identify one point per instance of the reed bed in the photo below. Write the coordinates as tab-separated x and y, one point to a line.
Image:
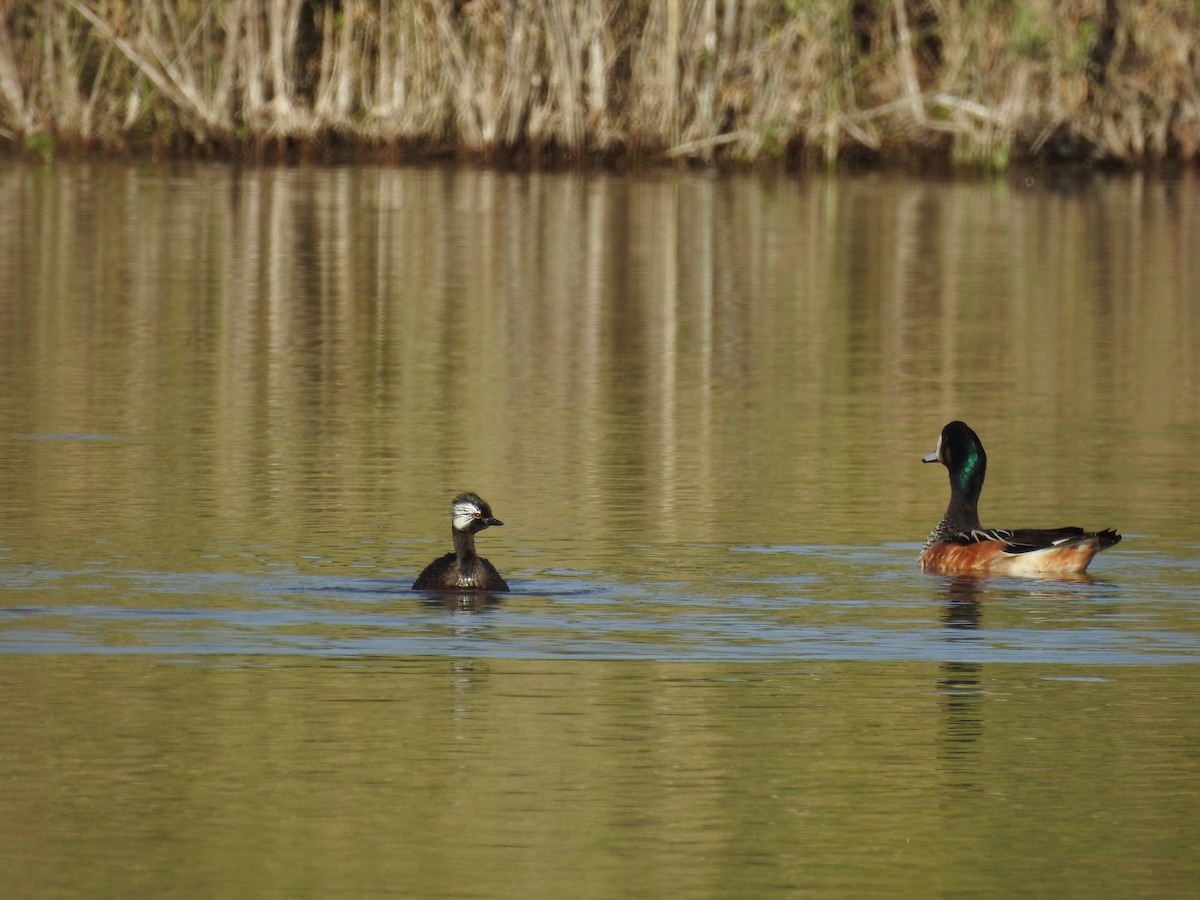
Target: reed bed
979	84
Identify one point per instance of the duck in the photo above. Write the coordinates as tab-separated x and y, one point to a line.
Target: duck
464	569
958	543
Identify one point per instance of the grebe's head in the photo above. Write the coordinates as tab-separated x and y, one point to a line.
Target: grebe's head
470	513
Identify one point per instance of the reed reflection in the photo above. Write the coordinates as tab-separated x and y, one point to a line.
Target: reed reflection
671	358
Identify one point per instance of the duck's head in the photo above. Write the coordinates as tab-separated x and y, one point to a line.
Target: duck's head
470	513
960	450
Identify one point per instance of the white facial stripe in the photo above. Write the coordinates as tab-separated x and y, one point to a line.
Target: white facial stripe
462	515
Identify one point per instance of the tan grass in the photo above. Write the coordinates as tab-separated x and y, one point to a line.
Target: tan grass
705	80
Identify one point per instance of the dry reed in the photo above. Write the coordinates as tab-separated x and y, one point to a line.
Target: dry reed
826	81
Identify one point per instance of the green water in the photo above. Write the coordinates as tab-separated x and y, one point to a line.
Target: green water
458	777
235	404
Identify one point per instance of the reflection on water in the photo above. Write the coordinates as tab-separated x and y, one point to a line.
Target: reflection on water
234	404
463	601
962	609
960	685
213	353
558	778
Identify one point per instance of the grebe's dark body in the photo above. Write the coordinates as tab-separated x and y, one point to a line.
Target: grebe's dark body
464	569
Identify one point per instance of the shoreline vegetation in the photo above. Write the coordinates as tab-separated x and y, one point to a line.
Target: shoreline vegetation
799	83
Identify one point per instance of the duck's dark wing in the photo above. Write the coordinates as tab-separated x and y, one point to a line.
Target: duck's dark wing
1029	540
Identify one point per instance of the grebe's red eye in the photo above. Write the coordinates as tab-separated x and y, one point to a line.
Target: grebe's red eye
477	514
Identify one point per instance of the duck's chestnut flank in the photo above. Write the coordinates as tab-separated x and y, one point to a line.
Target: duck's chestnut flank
958	543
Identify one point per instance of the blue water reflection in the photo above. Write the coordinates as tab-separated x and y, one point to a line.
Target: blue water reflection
868	605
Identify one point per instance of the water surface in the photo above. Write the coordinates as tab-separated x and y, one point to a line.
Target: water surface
235	404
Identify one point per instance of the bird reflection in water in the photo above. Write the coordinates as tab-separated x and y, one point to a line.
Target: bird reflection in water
462	601
959	685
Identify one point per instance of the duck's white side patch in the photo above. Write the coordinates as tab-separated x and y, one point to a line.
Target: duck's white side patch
1051	559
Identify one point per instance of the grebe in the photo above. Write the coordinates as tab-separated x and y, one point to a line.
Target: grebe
464	570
